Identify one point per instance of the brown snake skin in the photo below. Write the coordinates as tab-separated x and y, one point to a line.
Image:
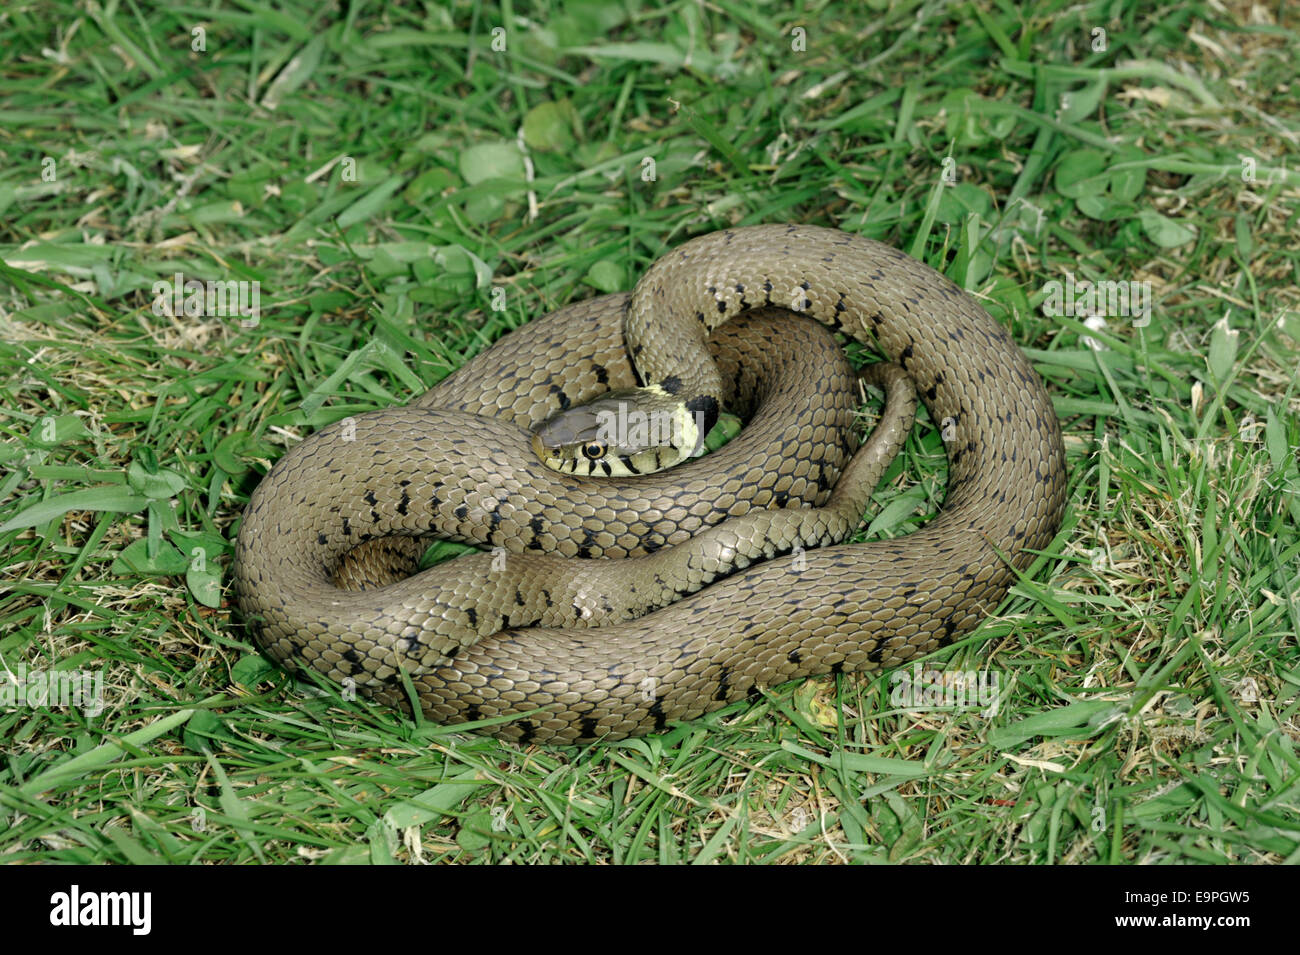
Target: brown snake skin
428	467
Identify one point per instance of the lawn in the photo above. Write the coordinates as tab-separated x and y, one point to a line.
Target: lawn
405	183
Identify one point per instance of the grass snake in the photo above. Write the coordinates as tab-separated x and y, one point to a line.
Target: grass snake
564	648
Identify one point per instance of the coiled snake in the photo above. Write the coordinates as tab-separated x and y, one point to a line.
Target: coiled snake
329	534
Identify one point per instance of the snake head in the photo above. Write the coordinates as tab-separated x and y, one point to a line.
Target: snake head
638	431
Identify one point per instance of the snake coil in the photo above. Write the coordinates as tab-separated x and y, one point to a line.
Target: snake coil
456	463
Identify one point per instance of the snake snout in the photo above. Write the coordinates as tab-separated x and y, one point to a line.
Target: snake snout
544	453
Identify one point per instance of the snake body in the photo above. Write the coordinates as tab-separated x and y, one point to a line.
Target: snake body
456	463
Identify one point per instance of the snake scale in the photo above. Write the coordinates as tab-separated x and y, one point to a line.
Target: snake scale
458	463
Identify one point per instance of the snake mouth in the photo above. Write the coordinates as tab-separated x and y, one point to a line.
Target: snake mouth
547	455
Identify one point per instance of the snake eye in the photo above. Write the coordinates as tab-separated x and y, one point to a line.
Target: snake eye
594	450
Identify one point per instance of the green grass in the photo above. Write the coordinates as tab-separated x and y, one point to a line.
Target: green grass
1148	668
